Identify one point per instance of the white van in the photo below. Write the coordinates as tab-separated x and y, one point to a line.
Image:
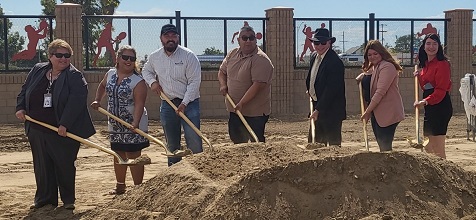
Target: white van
352	57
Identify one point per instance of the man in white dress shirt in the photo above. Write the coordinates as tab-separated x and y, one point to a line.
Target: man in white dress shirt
175	71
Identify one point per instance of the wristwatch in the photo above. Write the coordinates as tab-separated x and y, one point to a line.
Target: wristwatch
426	102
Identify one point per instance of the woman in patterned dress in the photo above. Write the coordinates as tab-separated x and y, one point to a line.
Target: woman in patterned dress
126	92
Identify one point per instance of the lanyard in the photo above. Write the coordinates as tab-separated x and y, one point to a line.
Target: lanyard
51	81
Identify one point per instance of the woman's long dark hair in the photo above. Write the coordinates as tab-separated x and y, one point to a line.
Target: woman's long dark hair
423	57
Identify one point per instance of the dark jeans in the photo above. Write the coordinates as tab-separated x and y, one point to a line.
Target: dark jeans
172	124
383	135
239	133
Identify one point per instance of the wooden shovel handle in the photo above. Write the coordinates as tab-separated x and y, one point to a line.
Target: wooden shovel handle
417	111
242	118
79	139
362	109
311	122
184	117
139	131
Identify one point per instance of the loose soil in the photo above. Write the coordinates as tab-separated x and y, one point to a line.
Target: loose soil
281	179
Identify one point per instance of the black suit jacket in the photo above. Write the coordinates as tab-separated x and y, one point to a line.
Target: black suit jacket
69	99
329	87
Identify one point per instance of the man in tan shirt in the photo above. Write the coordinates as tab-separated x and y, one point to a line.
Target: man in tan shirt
246	74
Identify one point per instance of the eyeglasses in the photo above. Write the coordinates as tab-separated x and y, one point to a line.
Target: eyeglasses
320	42
126	57
61	55
246	38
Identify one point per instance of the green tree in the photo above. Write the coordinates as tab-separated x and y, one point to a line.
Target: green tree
14	41
48	7
474	54
212	51
402	44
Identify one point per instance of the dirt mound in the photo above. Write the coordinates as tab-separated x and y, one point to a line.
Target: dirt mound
266	181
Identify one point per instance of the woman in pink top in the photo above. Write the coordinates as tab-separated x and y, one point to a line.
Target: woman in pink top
384	105
435	80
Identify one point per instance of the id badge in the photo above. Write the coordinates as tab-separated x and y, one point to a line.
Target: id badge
47	101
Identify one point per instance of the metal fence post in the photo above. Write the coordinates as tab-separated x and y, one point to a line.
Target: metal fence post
178	23
371	26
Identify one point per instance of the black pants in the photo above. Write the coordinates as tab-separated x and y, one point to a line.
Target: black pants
239	133
53	163
327	132
383	135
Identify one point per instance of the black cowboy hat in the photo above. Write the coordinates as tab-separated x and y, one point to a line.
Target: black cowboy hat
322	34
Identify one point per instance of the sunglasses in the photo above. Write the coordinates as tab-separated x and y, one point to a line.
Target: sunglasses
320	42
246	38
126	57
61	55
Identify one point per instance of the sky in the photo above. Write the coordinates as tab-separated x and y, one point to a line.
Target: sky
255	8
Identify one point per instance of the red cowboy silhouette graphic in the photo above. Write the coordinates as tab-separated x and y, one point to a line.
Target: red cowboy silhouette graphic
428	30
307	42
33	37
245	24
106	40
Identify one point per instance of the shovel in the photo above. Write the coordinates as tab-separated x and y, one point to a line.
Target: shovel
418	143
184	117
311	121
313	145
177	153
141	160
242	118
362	109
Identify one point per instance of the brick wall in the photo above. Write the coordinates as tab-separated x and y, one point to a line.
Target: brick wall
211	101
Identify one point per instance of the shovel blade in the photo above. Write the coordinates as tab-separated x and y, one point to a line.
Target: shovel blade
139	161
179	153
418	144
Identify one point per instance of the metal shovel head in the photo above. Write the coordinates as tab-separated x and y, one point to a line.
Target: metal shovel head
139	161
313	146
180	153
418	144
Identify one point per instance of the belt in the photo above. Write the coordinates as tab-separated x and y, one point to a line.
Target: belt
428	86
177	101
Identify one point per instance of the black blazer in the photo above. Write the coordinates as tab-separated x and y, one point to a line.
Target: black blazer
69	99
329	87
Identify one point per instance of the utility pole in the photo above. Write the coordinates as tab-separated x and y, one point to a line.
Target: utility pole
343	42
382	31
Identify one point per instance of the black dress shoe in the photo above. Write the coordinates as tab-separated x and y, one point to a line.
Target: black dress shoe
37	206
69	206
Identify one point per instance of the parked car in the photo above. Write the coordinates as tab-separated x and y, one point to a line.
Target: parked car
352	57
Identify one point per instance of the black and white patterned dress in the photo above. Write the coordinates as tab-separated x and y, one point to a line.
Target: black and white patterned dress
121	104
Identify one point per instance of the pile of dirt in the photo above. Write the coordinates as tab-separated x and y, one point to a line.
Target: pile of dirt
280	181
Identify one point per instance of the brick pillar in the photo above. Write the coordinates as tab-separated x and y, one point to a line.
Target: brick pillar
279	48
69	28
459	46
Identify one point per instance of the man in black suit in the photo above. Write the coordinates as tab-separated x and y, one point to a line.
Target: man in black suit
325	85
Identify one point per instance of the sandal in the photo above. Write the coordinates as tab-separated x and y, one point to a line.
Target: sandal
119	190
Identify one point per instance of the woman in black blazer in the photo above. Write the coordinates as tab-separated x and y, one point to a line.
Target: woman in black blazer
56	93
